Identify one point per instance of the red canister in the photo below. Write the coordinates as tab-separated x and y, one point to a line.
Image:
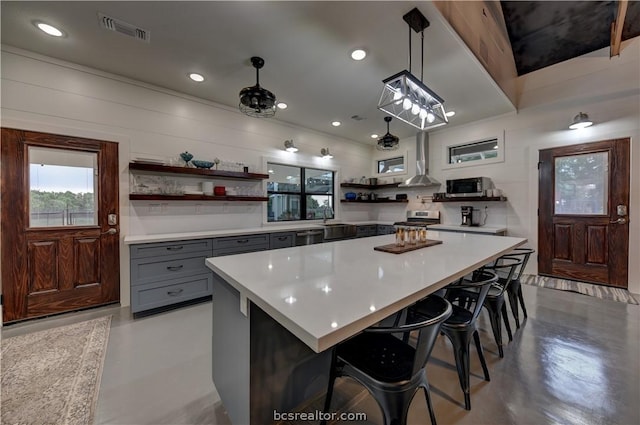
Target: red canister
219	191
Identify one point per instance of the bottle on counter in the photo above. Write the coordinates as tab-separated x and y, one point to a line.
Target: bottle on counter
412	236
400	236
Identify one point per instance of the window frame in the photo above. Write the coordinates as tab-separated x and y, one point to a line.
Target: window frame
446	151
303	192
390	155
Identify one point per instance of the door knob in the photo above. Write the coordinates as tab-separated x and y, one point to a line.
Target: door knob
111	231
621	220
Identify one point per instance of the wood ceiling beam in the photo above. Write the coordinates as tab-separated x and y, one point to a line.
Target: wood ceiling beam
616	28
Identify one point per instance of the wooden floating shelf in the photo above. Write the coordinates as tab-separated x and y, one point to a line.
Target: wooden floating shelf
473	199
159	197
204	172
375	201
369	186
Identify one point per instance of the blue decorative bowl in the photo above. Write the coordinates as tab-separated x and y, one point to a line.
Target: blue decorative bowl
350	196
202	164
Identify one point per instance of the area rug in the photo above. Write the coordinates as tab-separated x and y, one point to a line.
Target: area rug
53	376
599	291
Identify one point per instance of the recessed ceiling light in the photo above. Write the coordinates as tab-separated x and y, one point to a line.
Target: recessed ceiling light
271	171
374	136
450	113
336	123
358	54
198	78
51	30
282	105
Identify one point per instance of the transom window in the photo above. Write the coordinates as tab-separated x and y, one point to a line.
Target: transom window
299	193
479	152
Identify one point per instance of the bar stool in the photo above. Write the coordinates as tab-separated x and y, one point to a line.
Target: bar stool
505	268
388	367
514	291
467	297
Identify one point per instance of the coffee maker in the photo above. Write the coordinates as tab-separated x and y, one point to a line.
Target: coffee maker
467	215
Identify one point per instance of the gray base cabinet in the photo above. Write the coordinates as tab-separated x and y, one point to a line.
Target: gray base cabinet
167	273
367	230
282	240
386	229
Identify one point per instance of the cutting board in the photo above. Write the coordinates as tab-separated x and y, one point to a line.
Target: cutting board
392	248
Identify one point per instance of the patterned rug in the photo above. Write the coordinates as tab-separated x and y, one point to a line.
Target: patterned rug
599	291
53	376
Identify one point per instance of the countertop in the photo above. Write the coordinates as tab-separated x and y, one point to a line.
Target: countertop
327	292
469	229
167	237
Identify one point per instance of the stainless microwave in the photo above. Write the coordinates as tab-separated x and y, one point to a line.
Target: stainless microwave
475	186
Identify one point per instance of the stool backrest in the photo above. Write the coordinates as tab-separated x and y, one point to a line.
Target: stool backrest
428	328
479	282
523	254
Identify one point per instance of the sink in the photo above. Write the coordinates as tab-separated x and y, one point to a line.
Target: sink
339	231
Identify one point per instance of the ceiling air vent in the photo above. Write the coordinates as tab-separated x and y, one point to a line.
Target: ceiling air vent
125	28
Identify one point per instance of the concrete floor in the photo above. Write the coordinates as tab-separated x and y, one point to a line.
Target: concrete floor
574	361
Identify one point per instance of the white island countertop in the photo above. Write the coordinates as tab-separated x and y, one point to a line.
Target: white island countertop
325	293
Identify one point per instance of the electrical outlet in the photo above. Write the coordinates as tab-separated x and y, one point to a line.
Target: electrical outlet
164	207
198	208
154	208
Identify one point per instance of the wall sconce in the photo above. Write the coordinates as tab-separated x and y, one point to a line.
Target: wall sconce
324	152
580	121
288	146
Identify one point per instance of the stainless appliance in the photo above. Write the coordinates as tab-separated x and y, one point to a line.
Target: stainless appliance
422	178
467	215
420	218
475	186
309	237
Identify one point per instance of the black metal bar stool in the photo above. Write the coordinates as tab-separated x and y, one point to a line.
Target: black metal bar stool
505	267
467	297
514	291
388	367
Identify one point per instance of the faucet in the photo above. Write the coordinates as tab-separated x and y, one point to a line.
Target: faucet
325	216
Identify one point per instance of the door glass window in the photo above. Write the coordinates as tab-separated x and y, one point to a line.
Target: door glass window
582	184
63	187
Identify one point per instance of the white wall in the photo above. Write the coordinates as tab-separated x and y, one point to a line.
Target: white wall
44	94
607	89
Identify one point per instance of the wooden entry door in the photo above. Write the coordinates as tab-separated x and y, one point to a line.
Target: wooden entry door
60	243
583	223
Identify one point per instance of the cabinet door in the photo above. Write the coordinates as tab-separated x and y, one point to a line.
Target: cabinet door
282	240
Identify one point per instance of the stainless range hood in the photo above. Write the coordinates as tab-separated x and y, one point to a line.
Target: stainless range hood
421	179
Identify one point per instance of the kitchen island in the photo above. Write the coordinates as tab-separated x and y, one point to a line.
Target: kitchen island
277	313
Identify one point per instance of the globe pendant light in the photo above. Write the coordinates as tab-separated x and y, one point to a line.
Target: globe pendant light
406	97
256	101
388	142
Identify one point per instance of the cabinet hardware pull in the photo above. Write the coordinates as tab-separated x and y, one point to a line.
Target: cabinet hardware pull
282	238
174	293
175	268
174	248
242	240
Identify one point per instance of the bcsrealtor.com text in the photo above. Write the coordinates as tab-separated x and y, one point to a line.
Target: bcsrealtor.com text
318	415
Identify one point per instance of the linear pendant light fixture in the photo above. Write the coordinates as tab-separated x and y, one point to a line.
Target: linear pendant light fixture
257	101
406	97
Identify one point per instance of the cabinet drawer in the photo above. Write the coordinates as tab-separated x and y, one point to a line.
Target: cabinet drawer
368	230
160	294
146	270
242	242
171	248
282	240
385	229
238	250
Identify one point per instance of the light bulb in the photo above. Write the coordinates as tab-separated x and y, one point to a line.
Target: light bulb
415	109
406	103
430	117
397	95
423	113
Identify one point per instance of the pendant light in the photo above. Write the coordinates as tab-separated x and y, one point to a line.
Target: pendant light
406	97
388	142
256	101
